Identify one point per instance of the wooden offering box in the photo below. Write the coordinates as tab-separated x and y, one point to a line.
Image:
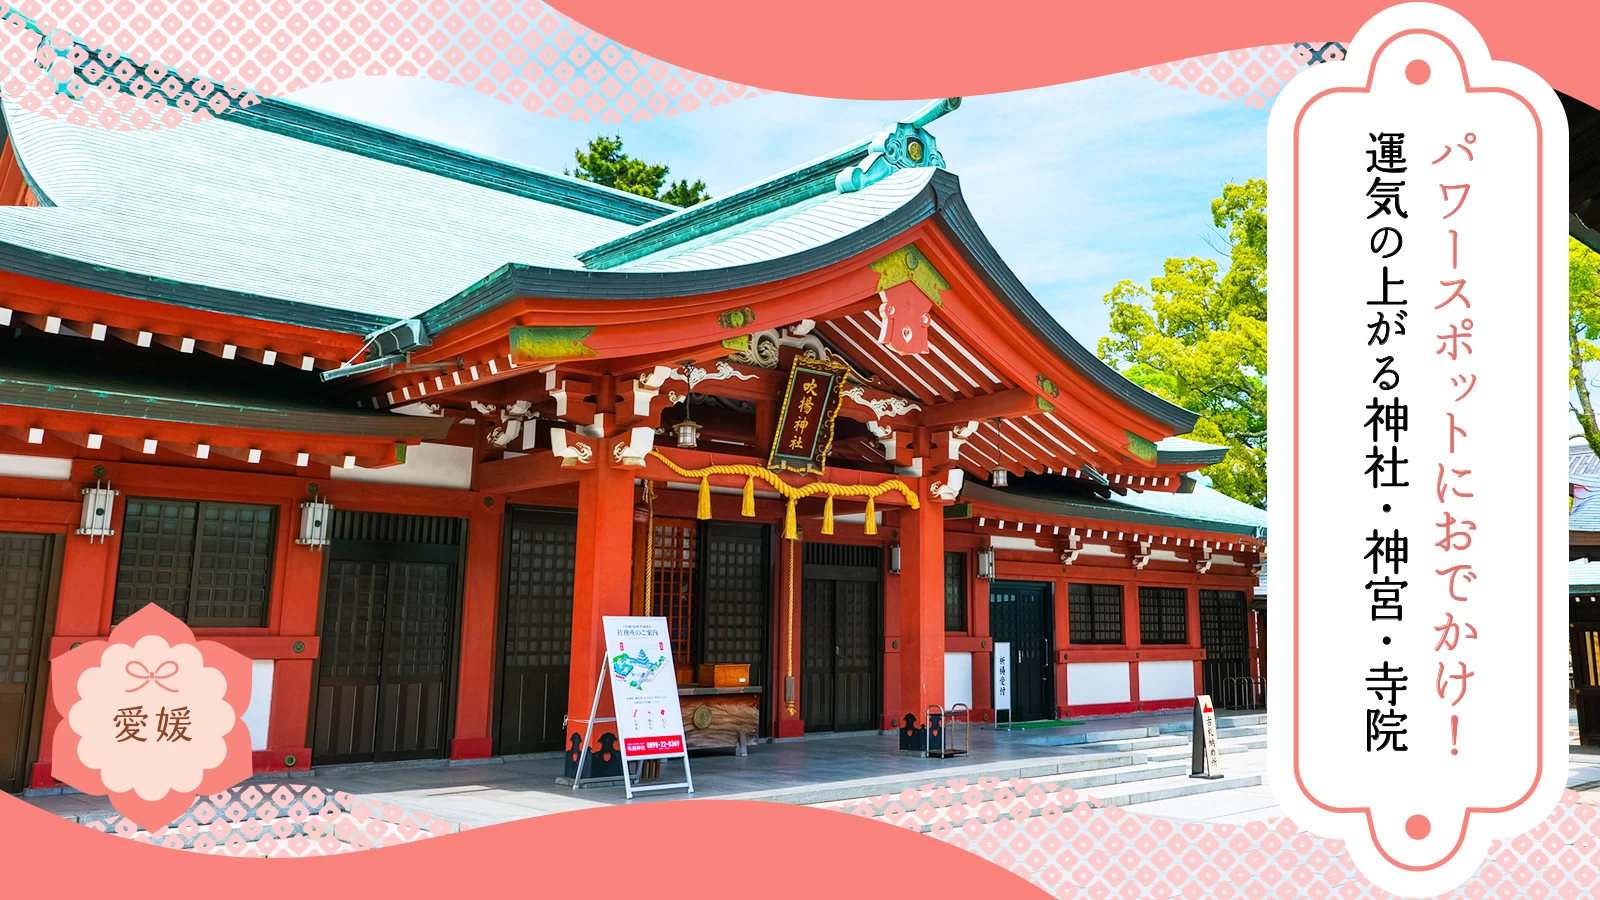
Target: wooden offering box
724	676
720	717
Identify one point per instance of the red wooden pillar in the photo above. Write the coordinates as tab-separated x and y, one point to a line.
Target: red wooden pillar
983	657
921	618
787	701
88	568
480	602
298	601
1130	620
602	586
1192	619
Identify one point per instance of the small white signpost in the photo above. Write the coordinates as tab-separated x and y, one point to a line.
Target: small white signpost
644	690
1002	682
1207	762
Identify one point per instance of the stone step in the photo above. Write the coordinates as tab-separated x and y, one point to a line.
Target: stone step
1037	769
1135	732
1173	739
1139	791
1226	749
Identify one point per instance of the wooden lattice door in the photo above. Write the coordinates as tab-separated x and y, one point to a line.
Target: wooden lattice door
536	637
385	679
840	622
24	584
734	597
1224	622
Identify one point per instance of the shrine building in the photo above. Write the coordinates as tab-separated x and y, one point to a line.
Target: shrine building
401	423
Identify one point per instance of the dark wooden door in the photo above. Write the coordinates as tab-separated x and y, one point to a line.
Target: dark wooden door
385	679
840	620
1584	613
1019	613
24	584
736	592
817	649
1224	621
536	630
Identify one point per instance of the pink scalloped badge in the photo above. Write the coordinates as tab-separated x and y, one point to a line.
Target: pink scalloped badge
151	717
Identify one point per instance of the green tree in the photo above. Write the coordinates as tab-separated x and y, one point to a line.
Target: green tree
1583	330
1199	339
603	162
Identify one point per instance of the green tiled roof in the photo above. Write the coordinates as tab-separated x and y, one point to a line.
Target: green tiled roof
1205	509
291	215
1183	451
74	389
1583	575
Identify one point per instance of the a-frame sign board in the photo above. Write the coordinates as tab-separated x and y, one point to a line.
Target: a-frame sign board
644	689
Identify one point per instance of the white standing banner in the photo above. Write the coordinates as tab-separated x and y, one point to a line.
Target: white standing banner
644	690
1417	226
1002	680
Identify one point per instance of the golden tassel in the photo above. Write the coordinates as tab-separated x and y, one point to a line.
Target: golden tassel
790	533
705	499
872	518
749	507
827	516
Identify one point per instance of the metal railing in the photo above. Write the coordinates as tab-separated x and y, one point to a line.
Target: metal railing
1243	692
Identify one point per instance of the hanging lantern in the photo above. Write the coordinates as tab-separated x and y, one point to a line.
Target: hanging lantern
316	522
986	562
894	559
688	433
999	478
98	502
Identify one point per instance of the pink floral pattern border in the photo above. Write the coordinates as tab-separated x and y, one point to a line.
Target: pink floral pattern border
160	63
1071	846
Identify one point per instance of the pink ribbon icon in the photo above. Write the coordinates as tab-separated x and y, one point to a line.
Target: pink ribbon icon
146	676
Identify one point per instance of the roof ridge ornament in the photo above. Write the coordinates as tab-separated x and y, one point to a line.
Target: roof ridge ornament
899	145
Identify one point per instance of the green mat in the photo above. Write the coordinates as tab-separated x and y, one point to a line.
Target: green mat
1052	723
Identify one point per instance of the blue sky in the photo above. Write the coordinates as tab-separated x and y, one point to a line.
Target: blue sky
1077	185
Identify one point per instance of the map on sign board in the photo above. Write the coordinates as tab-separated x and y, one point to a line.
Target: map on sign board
643	689
1419	266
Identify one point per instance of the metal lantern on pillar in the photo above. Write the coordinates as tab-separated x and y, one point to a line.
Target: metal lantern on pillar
98	502
999	478
316	522
894	558
986	562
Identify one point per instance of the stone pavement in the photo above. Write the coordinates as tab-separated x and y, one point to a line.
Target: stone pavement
1111	750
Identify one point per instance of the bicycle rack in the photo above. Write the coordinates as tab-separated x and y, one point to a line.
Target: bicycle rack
1244	692
947	748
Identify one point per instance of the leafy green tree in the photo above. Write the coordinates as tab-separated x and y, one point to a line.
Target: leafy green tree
603	162
1198	337
1583	329
684	194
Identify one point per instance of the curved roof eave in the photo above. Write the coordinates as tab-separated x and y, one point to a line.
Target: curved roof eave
940	200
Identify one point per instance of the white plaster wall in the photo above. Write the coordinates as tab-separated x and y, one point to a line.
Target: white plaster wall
35	467
957	679
1097	683
259	711
426	465
1172	680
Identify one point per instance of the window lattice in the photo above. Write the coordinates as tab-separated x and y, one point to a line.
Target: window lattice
209	564
672	582
1163	615
1094	613
955	592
